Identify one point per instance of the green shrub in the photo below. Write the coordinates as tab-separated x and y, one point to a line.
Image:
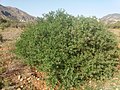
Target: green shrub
4	23
71	50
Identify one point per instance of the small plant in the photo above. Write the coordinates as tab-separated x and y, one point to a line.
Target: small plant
4	23
1	38
1	84
71	50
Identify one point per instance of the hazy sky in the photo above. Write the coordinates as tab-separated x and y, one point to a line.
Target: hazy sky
96	8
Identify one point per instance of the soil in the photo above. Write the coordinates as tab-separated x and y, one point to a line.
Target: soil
14	73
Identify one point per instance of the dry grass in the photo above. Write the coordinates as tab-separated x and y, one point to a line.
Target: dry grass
14	74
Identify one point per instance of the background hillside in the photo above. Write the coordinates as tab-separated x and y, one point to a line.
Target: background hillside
11	13
111	18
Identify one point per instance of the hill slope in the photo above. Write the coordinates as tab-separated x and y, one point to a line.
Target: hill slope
111	18
15	14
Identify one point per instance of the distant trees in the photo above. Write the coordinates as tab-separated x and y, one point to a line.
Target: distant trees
4	23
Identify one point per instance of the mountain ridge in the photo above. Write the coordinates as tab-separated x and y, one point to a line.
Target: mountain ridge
111	18
13	13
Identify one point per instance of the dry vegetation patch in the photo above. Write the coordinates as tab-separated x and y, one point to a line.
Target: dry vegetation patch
14	74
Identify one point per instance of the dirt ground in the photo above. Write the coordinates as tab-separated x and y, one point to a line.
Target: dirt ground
14	74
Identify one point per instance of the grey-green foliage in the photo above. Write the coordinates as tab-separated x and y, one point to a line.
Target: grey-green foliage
71	50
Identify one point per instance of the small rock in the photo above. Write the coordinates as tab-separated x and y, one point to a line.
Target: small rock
19	77
21	86
36	71
28	78
25	77
38	78
18	89
29	81
115	78
2	89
